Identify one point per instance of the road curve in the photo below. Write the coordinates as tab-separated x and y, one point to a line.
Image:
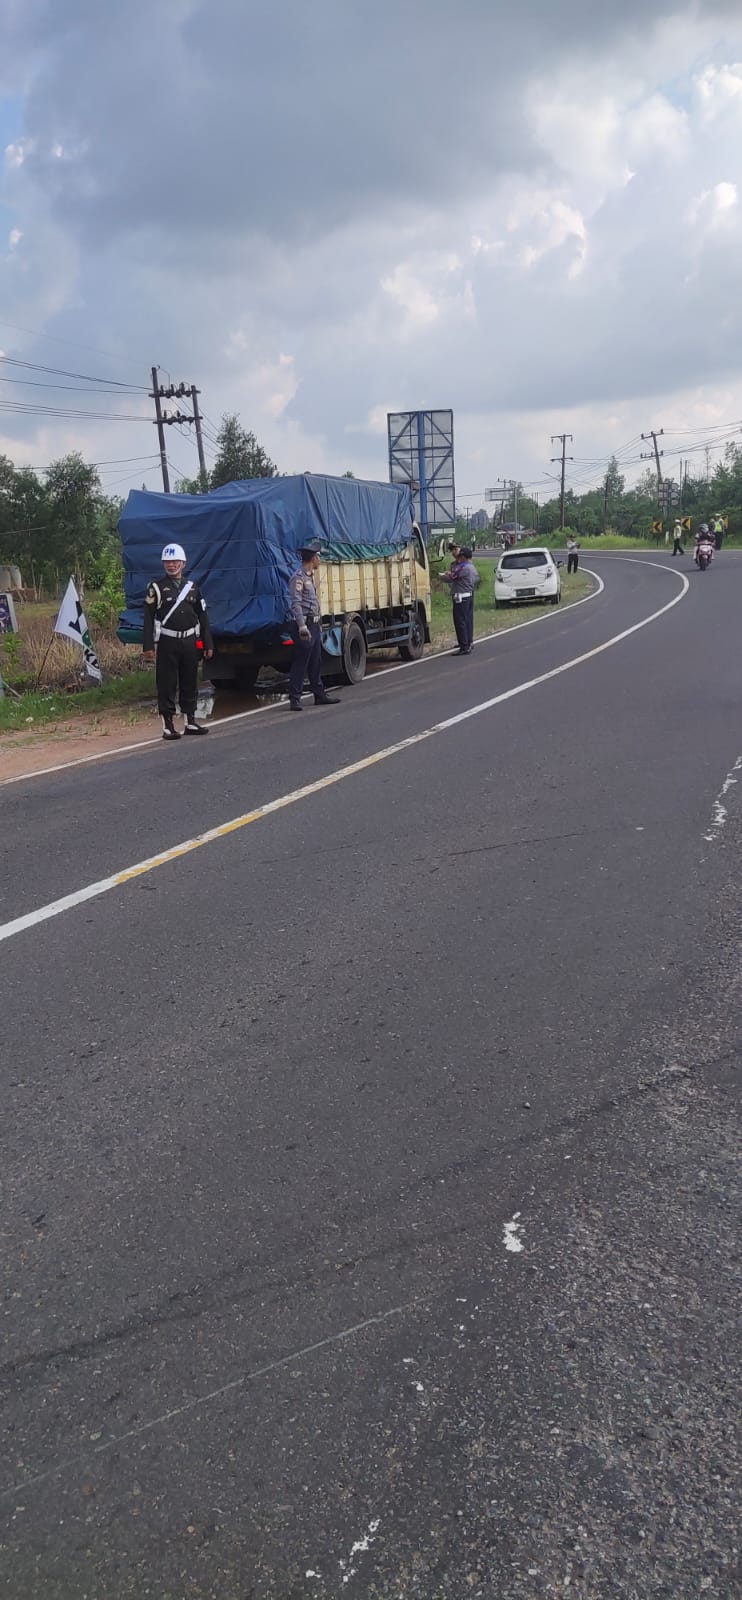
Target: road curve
369	1170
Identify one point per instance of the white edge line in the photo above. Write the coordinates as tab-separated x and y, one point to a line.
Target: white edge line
117	880
239	716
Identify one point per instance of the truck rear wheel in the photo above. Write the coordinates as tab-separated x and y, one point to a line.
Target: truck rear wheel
415	646
354	653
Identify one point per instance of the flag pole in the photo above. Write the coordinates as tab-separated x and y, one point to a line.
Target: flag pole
43	664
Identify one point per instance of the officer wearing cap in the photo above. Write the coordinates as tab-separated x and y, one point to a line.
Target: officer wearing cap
175	615
306	656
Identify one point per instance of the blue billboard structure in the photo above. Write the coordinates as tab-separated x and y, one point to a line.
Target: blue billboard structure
421	455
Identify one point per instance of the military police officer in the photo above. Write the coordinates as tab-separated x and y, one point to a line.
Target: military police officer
306	633
178	608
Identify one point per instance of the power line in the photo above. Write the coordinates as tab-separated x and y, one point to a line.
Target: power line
73	344
61	372
67	388
17	409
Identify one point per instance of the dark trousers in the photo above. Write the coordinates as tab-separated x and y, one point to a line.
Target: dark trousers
677	548
177	675
718	540
306	661
573	561
463	621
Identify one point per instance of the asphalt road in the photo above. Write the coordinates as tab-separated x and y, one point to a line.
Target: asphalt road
370	1182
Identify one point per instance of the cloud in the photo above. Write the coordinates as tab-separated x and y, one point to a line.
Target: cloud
319	211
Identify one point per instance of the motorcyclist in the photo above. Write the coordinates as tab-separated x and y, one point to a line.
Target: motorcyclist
703	536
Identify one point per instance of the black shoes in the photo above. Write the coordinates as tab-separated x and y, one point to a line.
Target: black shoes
192	726
327	700
296	705
168	730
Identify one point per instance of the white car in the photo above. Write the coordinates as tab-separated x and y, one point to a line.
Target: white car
527	576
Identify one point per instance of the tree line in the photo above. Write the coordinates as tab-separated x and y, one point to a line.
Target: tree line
62	521
612	508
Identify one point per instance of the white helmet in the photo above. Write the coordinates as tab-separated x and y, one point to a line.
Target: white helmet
173	552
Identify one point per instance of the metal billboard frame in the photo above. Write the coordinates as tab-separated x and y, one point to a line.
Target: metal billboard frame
421	455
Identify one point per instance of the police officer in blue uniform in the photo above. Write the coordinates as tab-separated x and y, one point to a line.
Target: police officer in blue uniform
306	657
178	607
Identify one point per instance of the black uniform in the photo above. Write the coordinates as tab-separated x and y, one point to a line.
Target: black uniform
177	645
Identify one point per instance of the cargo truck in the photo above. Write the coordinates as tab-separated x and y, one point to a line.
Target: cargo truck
243	541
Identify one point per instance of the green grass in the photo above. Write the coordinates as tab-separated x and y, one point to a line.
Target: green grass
31	710
486	618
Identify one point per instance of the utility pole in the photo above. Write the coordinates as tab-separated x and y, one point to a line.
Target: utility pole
654	434
163	419
199	436
562	438
155	395
708	462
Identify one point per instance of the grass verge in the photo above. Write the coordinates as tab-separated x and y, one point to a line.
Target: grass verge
32	710
486	618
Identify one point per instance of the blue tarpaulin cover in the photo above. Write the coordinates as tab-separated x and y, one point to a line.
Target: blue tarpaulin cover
242	540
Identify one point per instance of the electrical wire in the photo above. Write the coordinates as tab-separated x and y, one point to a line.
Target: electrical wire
61	372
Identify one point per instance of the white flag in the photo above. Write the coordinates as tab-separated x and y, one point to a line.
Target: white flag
73	624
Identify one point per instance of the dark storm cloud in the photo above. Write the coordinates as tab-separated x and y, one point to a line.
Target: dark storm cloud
285	118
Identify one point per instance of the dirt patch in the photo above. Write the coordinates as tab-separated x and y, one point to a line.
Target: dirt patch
75	739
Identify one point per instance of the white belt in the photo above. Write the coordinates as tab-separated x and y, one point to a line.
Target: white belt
460	597
173	633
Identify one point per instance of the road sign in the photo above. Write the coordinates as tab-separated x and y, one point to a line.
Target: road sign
658	526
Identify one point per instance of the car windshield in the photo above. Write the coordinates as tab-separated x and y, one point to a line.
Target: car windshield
524	559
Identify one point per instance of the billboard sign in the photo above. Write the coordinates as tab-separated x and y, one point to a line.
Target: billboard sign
421	456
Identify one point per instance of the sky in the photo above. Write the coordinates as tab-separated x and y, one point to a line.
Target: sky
528	212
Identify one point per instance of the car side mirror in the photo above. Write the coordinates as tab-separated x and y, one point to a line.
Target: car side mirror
560	563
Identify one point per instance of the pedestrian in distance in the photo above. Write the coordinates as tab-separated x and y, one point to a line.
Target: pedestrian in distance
306	633
175	618
717	528
573	554
677	538
463	579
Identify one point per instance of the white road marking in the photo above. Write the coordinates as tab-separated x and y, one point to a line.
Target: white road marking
511	1234
83	1458
358	1549
239	716
92	891
720	815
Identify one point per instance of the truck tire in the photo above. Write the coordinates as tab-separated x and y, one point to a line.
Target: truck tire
415	646
354	652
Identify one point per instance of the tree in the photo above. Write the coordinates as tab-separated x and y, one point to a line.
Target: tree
239	455
73	494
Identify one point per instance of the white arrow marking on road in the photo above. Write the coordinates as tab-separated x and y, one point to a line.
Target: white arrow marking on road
118	880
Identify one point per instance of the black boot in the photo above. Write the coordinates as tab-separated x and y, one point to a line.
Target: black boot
296	705
168	730
327	700
192	726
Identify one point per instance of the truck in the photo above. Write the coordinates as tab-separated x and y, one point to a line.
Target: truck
242	542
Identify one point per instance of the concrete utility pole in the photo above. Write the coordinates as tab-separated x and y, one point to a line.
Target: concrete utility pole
155	395
653	434
199	436
163	419
562	438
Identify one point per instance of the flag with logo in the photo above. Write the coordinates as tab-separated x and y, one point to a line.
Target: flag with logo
72	623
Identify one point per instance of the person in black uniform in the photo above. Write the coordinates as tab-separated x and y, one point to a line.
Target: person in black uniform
179	608
306	656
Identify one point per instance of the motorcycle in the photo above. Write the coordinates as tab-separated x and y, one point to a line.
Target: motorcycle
704	554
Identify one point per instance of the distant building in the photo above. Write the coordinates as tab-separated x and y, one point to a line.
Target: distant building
479	522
